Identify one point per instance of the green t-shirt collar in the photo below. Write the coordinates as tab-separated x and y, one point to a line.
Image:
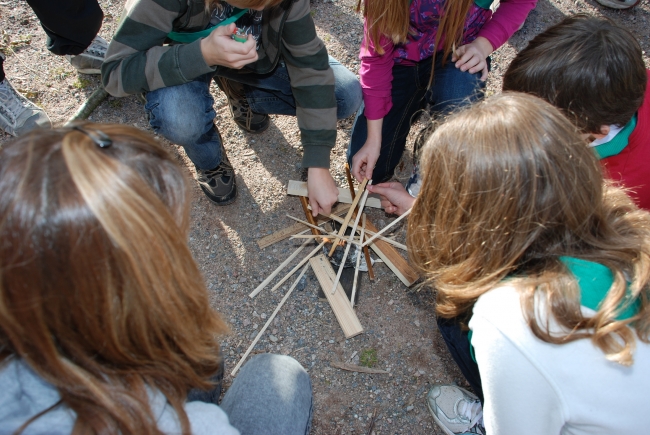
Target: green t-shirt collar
187	37
618	142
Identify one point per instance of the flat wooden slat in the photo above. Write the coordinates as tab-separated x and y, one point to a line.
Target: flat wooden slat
339	302
296	228
299	188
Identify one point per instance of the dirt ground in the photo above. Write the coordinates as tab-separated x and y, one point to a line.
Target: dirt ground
399	324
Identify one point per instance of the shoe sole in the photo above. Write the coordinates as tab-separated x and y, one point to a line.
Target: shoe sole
440	424
261	130
89	71
622	5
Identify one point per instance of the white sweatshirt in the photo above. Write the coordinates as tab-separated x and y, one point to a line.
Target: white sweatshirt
536	388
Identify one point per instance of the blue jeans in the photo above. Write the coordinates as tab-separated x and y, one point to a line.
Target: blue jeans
458	343
270	395
451	88
184	114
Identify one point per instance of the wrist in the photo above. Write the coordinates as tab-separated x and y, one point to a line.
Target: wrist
484	46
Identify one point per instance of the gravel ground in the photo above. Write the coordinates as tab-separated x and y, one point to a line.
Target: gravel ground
399	324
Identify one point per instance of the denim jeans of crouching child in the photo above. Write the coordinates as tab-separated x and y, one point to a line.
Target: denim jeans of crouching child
270	395
184	114
451	88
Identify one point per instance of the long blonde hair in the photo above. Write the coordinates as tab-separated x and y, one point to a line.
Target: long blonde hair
391	18
509	187
99	293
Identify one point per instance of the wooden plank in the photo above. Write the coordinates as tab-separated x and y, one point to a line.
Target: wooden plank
296	228
393	260
391	257
355	368
268	322
299	188
387	227
339	302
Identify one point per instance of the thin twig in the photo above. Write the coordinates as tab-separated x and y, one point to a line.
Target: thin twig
383	230
268	322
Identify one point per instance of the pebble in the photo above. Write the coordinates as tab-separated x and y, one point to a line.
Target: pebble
391	302
409	408
273	338
246	322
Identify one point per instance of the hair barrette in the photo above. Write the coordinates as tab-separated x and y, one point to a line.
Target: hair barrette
100	138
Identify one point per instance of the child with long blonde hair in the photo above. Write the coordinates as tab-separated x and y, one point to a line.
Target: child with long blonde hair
105	322
419	52
550	267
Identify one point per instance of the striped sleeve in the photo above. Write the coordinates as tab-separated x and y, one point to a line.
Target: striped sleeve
137	60
312	83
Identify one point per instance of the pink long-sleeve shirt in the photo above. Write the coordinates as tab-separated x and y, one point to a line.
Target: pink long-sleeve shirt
376	70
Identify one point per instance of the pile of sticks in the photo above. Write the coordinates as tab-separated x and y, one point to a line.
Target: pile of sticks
327	278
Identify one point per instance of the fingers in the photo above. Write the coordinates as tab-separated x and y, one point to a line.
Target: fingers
315	208
224	30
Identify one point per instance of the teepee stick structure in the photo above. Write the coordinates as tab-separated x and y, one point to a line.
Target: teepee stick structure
348	216
387	227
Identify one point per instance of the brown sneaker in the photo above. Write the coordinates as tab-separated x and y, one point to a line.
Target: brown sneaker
241	111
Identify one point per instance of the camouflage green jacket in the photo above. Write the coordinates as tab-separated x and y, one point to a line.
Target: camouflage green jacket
140	58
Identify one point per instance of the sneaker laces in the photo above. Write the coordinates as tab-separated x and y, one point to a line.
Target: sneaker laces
218	172
473	411
237	102
97	48
11	102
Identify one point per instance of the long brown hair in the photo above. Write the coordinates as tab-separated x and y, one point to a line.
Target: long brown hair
99	293
391	18
508	187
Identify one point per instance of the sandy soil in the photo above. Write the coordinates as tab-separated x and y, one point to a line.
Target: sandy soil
399	323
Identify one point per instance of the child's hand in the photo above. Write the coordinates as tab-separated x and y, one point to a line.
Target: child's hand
363	162
322	191
394	197
220	49
472	57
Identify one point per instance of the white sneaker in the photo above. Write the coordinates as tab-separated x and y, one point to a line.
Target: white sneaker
18	115
619	4
91	59
456	410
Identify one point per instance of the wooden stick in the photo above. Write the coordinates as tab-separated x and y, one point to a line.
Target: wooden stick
310	218
276	271
344	225
268	322
299	188
84	111
356	269
311	226
350	239
293	229
366	251
298	266
355	368
383	230
372	233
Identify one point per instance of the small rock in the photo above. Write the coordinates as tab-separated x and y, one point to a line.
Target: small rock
410	408
263	316
417	323
273	338
246	322
391	302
